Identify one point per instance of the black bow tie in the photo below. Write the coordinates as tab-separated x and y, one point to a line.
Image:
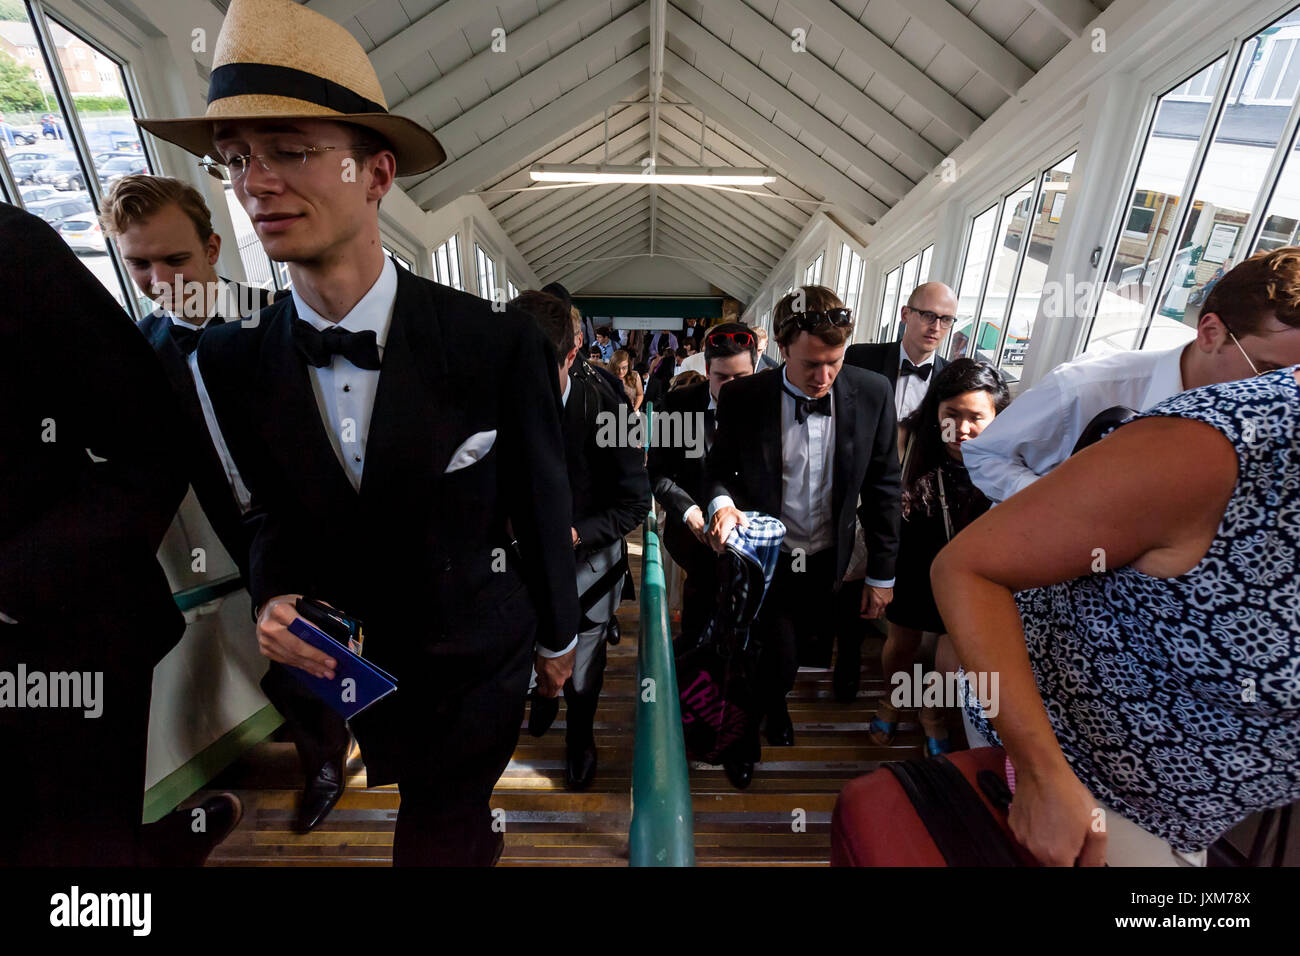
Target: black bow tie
319	348
803	407
187	340
922	372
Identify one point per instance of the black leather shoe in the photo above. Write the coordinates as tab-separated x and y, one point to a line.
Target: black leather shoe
542	712
321	793
580	767
780	729
186	837
612	633
739	772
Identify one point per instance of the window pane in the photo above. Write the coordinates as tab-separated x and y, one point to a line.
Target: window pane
1227	187
842	274
103	107
257	264
1033	270
905	288
997	293
1139	254
36	140
888	304
972	275
923	276
453	263
813	274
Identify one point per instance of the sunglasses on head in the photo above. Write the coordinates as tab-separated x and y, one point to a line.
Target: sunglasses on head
742	338
811	321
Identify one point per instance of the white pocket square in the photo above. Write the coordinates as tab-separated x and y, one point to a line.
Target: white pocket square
471	450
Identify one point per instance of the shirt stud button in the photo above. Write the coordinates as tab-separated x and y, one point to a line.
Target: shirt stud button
356	457
347	388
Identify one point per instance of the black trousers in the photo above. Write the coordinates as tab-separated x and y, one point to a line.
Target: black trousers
317	730
799	610
73	793
446	737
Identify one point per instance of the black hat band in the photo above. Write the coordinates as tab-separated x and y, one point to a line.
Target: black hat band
266	79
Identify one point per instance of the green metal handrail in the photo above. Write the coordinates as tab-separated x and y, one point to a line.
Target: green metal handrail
662	832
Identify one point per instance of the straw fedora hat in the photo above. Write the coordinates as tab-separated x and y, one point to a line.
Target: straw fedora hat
276	59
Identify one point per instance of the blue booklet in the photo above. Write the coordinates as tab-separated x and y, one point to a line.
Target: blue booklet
357	683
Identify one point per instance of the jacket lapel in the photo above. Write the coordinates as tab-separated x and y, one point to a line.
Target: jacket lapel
293	424
409	441
174	364
893	358
845	399
770	442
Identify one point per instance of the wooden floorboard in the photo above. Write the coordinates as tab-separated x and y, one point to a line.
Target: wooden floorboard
782	819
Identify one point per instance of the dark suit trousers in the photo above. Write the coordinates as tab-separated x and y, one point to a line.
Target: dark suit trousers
318	732
799	609
445	818
74	785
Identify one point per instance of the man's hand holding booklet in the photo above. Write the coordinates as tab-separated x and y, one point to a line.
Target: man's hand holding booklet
357	683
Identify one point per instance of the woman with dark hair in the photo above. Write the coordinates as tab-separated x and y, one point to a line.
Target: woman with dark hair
939	500
661	376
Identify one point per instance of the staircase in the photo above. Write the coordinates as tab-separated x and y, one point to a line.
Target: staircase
782	819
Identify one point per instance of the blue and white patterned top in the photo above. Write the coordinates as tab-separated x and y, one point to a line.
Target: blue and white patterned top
1177	700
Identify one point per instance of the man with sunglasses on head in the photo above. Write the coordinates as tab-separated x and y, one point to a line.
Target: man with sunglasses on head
911	363
1249	324
813	443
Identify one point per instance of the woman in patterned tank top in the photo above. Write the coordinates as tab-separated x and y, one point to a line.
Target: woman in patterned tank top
1156	583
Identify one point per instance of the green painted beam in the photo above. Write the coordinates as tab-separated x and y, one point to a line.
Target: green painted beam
704	307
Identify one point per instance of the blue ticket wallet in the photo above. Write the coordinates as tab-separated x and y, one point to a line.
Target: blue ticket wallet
357	684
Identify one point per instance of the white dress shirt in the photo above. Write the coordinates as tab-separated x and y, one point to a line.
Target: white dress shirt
807	463
909	391
345	394
694	363
1040	428
544	652
237	486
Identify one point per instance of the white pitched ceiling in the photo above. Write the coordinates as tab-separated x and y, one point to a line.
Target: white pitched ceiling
849	102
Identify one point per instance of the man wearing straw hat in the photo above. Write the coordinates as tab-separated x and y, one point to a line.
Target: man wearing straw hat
396	472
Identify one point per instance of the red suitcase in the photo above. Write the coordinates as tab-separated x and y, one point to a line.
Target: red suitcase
943	811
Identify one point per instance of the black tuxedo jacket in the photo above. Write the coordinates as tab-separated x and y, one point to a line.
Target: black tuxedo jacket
745	461
680	482
883	358
423	556
611	492
79	537
204	468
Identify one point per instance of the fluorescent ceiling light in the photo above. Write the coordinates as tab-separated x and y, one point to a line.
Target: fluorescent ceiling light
657	175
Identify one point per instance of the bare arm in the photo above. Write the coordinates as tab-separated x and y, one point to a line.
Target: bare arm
1153	495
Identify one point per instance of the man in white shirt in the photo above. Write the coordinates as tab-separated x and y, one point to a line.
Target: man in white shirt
605	343
1249	324
397	470
911	363
163	230
814	444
